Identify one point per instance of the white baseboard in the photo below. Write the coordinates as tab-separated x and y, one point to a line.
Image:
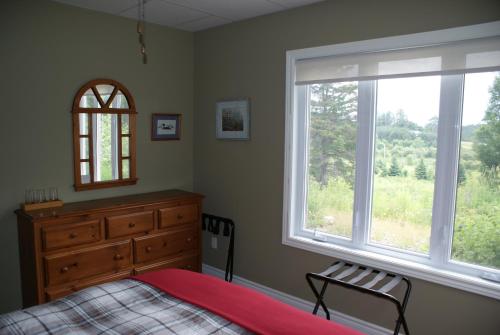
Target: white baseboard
361	325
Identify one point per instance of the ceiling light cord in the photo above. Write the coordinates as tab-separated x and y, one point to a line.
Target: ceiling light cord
141	30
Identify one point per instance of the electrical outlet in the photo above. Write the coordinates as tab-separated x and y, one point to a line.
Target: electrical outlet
214	242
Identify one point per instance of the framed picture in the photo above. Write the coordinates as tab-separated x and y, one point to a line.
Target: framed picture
233	120
165	127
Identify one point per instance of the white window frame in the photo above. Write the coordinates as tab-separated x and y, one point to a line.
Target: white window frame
436	268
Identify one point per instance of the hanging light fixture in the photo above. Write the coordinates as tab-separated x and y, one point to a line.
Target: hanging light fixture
140	30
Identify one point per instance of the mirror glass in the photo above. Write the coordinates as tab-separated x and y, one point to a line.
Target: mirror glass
125	122
119	101
125	147
84	123
89	100
105	91
84	148
105	146
126	168
104	135
85	172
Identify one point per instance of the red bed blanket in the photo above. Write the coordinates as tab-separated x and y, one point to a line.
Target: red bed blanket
250	309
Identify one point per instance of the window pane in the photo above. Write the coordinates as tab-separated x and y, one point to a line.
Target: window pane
125	124
120	101
84	148
85	172
125	169
405	159
84	123
125	147
332	152
476	237
105	146
89	100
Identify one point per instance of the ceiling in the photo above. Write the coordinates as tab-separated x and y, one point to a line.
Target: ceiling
190	15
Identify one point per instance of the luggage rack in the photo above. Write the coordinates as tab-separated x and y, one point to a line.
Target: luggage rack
357	277
212	223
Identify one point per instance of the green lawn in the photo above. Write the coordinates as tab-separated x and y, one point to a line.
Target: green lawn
402	214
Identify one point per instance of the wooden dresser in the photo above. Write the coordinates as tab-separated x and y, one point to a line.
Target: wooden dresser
82	244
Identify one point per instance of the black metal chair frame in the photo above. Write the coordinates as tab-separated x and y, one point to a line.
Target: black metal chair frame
326	278
212	224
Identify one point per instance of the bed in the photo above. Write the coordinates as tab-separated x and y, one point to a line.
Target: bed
169	301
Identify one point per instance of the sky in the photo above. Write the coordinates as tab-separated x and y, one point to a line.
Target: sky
419	97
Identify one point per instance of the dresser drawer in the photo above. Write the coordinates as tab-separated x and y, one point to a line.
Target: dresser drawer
149	248
189	262
56	293
128	224
178	215
89	262
71	234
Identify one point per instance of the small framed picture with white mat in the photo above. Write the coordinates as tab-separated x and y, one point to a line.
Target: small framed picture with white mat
232	119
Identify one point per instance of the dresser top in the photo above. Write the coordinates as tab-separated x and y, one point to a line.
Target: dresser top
85	207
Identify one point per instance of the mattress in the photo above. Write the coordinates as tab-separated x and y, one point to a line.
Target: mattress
169	301
122	307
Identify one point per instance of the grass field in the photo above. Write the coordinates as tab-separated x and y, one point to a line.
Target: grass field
402	214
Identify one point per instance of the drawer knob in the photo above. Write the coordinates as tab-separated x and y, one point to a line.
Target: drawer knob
131	225
118	257
189	239
73	235
148	249
64	269
179	217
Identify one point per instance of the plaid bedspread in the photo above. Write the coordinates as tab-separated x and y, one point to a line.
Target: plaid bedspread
121	307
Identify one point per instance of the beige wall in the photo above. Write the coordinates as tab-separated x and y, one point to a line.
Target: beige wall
243	180
47	51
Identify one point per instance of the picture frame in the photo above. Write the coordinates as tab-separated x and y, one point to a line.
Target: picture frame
232	119
166	127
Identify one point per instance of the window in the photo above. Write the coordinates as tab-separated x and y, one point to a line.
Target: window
392	154
104	135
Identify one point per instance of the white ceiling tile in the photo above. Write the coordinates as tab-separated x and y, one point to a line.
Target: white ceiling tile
192	15
203	23
231	9
294	3
160	12
107	6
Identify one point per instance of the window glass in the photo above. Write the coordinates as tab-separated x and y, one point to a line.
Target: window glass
476	237
332	152
405	159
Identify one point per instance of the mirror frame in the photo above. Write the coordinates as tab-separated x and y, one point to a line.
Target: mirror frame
104	109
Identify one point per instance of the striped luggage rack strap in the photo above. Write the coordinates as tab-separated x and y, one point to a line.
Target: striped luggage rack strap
363	279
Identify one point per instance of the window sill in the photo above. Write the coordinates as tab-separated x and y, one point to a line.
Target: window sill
412	269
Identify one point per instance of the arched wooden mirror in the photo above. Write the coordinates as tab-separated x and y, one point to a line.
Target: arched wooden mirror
104	135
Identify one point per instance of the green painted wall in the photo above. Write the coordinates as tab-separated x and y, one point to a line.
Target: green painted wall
244	180
48	51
